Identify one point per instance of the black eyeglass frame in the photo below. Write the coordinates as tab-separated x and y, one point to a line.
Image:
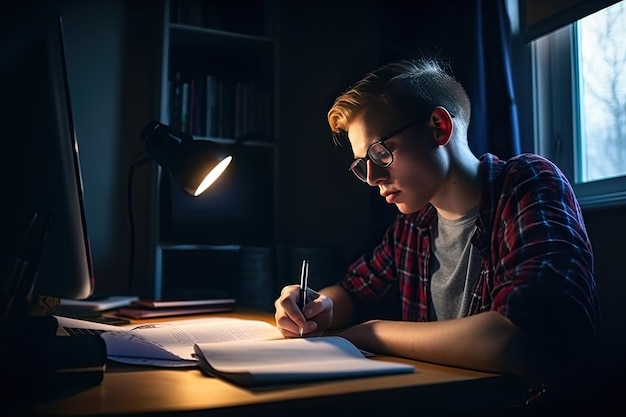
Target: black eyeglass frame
381	142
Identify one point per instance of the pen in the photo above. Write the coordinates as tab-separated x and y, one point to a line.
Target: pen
304	282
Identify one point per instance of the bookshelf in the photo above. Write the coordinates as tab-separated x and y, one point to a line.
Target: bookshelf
219	82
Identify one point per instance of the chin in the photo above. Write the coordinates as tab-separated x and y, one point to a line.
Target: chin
408	208
404	209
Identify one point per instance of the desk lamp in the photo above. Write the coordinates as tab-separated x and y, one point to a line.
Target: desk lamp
194	164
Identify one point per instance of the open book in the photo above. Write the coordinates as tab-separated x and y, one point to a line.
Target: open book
168	343
245	352
264	362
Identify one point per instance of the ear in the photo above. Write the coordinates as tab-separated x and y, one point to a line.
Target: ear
441	123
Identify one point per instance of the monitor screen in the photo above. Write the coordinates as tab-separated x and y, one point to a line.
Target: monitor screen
40	167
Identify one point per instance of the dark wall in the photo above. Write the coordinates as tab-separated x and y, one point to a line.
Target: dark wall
93	41
321	51
113	60
607	228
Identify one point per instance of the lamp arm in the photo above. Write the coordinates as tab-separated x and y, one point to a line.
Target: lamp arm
140	159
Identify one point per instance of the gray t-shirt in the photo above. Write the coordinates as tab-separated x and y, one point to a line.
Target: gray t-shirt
454	267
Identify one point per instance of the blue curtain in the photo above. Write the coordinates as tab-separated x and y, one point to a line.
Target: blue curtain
495	125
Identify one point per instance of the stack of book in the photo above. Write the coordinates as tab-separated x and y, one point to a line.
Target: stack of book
148	308
95	303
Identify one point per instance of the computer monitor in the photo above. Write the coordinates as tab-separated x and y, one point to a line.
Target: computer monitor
39	160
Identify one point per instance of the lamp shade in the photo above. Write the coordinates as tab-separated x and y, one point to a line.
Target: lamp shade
194	164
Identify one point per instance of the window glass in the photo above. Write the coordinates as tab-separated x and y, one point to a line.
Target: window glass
600	46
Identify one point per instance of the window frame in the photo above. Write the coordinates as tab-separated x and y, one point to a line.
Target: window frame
555	114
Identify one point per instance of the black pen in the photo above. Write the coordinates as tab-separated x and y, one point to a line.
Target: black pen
304	282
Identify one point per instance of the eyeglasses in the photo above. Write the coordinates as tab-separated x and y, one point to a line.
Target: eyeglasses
378	153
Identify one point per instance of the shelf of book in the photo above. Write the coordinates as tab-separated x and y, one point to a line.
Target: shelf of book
218	83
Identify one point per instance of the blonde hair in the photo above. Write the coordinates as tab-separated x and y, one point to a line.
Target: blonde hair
414	87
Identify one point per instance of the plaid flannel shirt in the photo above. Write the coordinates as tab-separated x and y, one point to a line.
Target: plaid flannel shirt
537	261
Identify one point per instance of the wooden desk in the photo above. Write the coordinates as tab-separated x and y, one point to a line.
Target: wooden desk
432	389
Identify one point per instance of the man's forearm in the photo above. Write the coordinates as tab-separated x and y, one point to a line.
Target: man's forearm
486	341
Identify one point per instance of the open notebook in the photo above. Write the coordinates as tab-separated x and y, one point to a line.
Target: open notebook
266	362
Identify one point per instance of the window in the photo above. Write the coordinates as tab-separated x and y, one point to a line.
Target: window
579	79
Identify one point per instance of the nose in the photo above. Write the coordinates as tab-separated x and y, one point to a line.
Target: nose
375	174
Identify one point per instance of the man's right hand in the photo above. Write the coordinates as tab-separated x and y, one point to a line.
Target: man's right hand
313	319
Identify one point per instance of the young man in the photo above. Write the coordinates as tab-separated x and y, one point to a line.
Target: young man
488	263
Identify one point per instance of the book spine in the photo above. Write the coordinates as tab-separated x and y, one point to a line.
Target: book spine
184	113
200	108
211	107
192	107
176	101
